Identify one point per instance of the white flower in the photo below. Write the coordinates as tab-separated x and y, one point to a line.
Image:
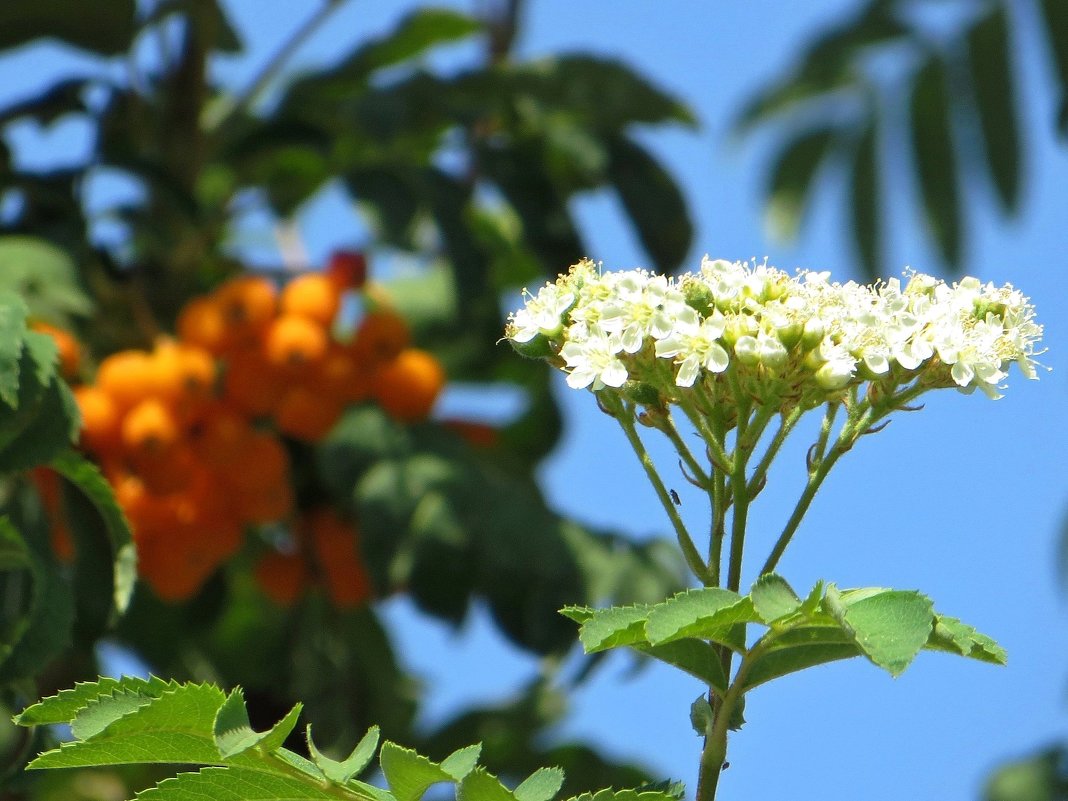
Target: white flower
693	345
542	314
595	361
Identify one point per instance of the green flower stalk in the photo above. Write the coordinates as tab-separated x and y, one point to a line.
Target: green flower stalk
741	351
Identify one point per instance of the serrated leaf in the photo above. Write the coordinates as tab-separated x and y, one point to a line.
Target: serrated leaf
353	765
176	727
14	554
542	785
864	201
87	477
935	157
995	100
64	706
579	614
950	634
408	773
12	331
462	761
626	795
613	627
235	735
479	785
889	626
238	784
710	613
104	710
791	660
773	598
792	178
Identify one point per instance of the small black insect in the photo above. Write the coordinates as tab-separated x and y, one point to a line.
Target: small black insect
675	498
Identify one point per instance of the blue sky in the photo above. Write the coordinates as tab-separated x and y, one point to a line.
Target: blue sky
963	500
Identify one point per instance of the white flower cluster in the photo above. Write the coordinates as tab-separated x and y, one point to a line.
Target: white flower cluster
780	338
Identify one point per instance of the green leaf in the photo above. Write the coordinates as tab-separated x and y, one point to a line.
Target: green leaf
995	100
234	734
87	477
64	706
652	200
701	716
793	175
353	765
409	773
104	28
773	598
627	795
12	332
778	663
52	430
415	34
481	786
542	785
44	276
864	201
695	657
239	784
613	627
889	626
709	613
14	555
935	157
176	727
952	635
1055	17
462	761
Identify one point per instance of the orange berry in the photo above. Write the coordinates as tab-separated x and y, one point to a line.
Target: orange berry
147	512
334	541
338	376
252	384
101	420
201	322
380	337
150	427
128	376
306	415
265	503
173	569
314	296
221	434
70	351
185	374
260	461
282	577
248	305
166	471
408	386
293	342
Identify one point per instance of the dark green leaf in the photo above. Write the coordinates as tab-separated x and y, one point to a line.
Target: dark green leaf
693	656
87	477
1055	17
63	97
864	202
935	158
239	784
790	660
106	28
793	175
652	200
52	430
416	33
44	629
995	94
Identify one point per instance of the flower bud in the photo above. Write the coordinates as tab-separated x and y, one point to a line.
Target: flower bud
540	347
747	350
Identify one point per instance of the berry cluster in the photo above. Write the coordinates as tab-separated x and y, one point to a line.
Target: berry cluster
192	435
